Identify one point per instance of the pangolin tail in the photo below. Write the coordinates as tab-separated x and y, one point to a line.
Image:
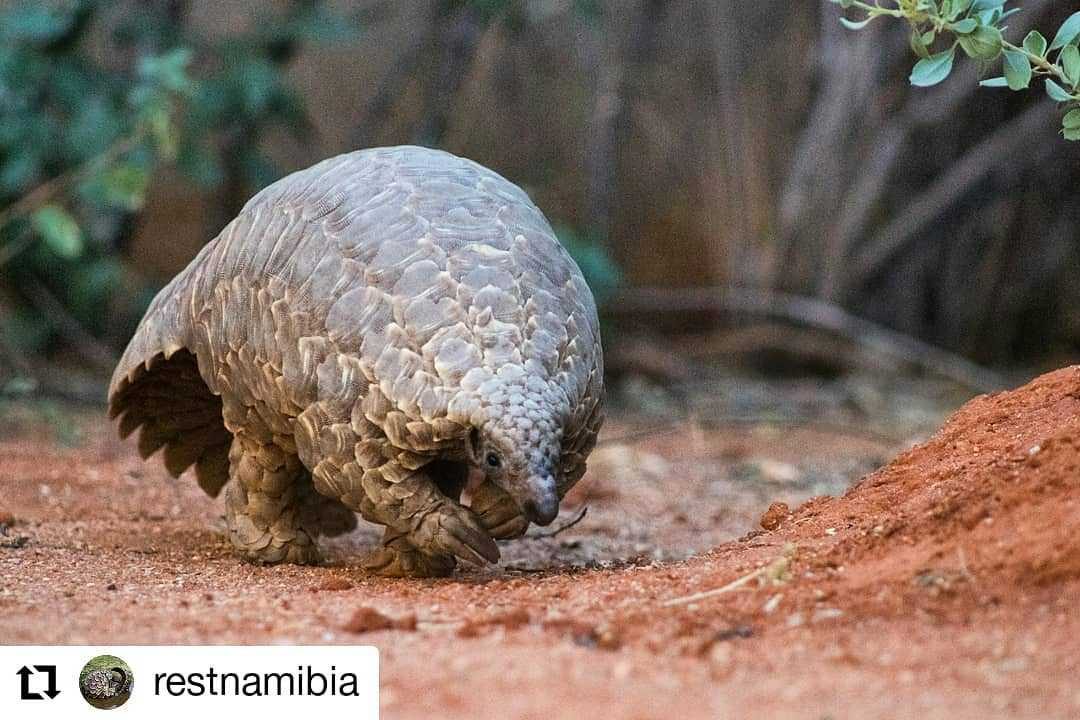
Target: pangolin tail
168	399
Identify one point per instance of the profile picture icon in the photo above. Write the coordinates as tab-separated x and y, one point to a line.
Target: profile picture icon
106	682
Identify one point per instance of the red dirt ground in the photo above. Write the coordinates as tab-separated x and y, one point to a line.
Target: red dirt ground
943	585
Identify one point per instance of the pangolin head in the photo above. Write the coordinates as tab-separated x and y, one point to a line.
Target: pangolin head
515	438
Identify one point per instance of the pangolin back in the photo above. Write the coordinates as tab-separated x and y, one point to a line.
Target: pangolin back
404	277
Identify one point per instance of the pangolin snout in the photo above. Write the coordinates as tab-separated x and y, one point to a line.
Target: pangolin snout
542	504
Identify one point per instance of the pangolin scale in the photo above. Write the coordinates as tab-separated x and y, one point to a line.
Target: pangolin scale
363	336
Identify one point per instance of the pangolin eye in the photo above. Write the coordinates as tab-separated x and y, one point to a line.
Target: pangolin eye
493	460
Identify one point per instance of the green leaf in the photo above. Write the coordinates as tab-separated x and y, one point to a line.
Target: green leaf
1056	92
1017	70
918	44
959	8
1071	134
18	171
932	70
70	82
59	230
168	70
1067	32
91	282
983	44
315	24
259	170
965	26
93	128
157	121
125	186
256	80
600	270
1035	43
1070	63
855	24
35	22
998	82
1071	121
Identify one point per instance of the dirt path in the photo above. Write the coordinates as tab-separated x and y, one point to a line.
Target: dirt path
942	586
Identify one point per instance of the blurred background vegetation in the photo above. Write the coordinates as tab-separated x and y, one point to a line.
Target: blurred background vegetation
748	175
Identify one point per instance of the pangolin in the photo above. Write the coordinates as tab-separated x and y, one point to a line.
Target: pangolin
366	335
106	683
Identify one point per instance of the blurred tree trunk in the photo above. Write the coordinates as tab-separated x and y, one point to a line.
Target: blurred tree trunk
879	210
617	59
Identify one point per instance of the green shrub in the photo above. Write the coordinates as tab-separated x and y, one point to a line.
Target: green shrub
95	96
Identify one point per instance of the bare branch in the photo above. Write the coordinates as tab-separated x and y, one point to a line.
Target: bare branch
1001	147
57	315
814	313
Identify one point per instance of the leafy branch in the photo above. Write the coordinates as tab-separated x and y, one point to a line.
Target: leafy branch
116	177
97	96
976	27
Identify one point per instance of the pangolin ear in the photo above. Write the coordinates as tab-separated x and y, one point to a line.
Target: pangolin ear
474	444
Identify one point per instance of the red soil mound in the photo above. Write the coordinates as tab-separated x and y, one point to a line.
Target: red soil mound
984	515
993	497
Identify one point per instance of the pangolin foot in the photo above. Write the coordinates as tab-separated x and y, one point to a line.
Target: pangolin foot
400	558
